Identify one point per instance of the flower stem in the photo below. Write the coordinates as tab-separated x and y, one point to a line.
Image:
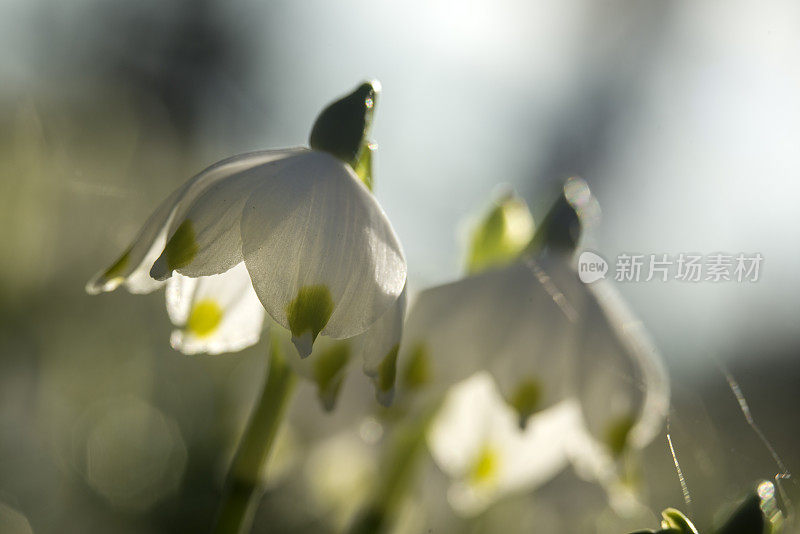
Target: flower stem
399	469
244	483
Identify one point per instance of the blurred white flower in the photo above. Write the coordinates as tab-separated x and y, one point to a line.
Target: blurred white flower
296	230
548	341
476	440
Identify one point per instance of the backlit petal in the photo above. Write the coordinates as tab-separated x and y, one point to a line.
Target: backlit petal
321	252
132	268
214	314
205	239
511	321
476	440
620	378
622	384
379	346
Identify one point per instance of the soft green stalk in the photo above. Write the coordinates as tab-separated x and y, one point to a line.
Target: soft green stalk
398	470
244	485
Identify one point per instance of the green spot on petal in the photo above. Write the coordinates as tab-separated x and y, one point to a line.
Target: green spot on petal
310	311
117	270
204	318
485	467
418	370
617	432
329	371
182	247
387	372
501	236
525	399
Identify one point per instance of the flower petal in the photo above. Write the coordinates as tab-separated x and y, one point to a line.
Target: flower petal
462	424
620	378
622	384
322	254
510	321
475	438
327	365
215	314
379	346
132	268
206	239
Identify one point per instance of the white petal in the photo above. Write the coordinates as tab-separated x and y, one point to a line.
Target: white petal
379	347
133	267
462	424
179	296
621	378
475	425
215	314
592	461
206	238
510	321
538	453
326	366
383	336
315	228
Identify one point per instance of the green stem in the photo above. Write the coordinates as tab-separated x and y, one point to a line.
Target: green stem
244	485
399	468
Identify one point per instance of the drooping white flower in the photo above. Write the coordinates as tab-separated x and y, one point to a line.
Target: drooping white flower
546	339
476	440
297	229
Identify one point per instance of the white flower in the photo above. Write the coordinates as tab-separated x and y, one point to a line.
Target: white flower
546	339
318	249
476	440
214	314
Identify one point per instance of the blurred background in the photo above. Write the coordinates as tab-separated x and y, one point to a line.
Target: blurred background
684	118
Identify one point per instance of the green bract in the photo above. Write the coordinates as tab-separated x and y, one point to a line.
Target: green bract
501	236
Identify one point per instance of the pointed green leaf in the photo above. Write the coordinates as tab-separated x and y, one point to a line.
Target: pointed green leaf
342	127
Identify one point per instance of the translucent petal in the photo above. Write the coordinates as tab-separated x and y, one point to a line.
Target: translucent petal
327	366
321	252
215	314
132	268
379	346
622	384
462	424
511	321
620	378
476	440
205	239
